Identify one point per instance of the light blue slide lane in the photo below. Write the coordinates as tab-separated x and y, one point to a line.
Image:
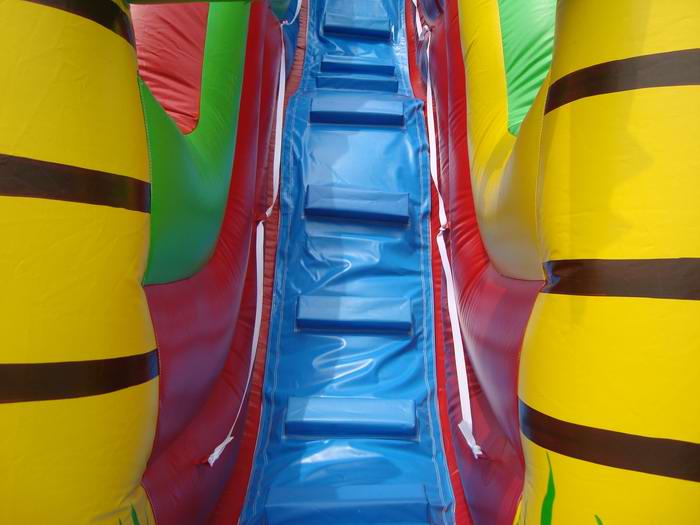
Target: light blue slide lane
350	431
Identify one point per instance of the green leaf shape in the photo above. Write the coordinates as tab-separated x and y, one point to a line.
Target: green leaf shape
548	502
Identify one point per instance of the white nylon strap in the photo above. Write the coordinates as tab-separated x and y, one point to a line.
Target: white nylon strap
296	14
260	243
279	121
466	425
419	24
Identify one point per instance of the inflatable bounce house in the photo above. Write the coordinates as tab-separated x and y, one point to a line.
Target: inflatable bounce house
350	262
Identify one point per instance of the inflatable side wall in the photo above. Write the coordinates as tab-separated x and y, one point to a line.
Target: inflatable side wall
493	309
79	379
609	397
581	176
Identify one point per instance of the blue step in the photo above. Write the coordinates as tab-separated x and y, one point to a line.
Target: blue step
349	108
350	203
344	64
350	417
364	83
348	504
351	25
383	314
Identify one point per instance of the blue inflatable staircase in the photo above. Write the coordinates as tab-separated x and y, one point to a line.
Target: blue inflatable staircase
350	432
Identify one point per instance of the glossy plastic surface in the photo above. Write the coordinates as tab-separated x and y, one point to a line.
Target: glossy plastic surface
376	314
356	109
365	479
397	505
357	204
346	416
368	75
353	65
357	20
366	82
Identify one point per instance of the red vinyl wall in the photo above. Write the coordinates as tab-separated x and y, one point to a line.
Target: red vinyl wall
493	310
232	499
462	517
204	324
171	39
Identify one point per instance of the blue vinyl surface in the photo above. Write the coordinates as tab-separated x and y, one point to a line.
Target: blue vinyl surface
350	416
330	201
350	432
355	314
345	64
370	82
363	19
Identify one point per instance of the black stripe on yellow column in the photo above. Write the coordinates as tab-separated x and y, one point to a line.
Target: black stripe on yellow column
674	68
22	177
663	457
104	12
653	278
45	381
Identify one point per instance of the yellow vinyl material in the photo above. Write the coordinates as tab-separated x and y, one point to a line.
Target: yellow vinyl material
618	181
504	186
605	177
71	287
586	491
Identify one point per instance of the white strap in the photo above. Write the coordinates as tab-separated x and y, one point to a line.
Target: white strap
466	425
296	14
279	121
260	246
419	25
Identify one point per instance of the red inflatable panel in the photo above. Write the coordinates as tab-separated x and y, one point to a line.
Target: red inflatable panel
493	310
462	516
495	313
231	501
204	323
170	50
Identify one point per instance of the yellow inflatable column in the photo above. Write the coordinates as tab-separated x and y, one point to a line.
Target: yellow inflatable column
78	365
610	370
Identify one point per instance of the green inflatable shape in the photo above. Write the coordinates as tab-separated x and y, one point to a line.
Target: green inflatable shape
548	503
527	32
281	7
191	174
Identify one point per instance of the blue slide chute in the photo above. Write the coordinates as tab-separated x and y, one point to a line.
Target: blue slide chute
350	431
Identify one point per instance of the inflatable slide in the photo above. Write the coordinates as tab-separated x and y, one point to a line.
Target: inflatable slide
353	262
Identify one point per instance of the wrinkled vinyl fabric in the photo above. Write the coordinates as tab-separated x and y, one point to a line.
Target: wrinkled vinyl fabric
204	323
350	429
